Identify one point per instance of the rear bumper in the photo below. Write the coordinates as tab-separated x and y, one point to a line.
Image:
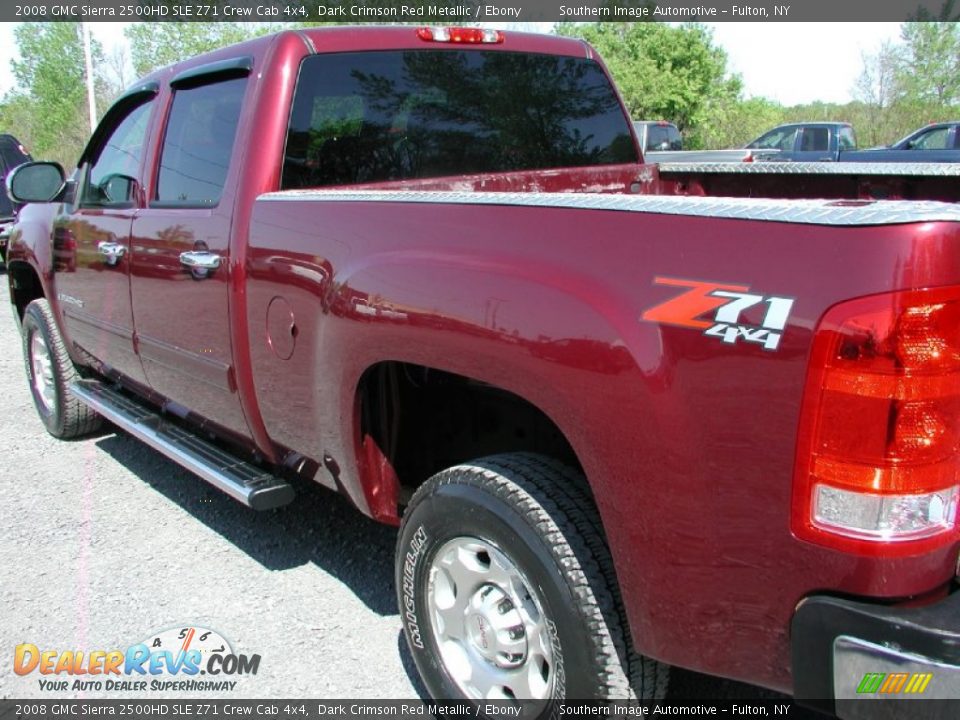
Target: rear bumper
861	660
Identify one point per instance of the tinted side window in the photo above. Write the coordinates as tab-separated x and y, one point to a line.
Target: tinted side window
815	139
393	115
109	180
198	143
777	139
848	140
932	140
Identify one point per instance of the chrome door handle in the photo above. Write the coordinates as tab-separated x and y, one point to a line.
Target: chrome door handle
111	251
201	260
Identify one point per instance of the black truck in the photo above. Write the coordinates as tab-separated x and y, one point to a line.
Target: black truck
12	153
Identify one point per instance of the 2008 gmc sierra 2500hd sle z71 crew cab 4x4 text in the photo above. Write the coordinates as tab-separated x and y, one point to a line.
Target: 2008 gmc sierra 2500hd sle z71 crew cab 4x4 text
620	428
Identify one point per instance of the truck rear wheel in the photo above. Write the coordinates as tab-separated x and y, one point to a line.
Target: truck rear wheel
507	591
50	373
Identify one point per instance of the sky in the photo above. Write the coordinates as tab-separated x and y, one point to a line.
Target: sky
791	63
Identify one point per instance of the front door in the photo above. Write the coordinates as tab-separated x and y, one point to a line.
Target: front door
91	253
180	275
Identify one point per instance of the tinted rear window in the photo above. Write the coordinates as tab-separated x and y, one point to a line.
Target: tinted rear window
663	137
394	115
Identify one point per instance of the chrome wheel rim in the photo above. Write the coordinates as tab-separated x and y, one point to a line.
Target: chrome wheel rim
488	622
41	365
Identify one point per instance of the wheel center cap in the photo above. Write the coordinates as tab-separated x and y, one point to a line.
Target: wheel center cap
495	628
481	633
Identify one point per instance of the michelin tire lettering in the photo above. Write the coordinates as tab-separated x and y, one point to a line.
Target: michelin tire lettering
417	543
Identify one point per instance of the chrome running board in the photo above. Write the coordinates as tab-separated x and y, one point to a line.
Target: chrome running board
239	479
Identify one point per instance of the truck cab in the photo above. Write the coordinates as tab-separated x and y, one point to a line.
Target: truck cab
934	143
808	141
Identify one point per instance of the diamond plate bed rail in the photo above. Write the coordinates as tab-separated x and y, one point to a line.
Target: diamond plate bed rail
812	212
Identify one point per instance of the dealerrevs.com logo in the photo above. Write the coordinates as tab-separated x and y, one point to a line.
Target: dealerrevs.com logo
185	659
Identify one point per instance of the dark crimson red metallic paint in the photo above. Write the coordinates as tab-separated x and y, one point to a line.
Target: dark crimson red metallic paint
687	442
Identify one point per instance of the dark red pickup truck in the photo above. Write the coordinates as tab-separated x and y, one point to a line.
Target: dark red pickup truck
621	427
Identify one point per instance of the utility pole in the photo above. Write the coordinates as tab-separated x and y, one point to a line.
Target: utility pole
88	60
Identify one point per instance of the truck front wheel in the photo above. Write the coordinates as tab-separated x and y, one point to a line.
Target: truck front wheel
50	373
507	591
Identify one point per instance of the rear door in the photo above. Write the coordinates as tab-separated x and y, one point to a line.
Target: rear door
813	144
92	237
181	269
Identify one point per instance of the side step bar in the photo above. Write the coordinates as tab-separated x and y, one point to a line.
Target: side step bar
241	480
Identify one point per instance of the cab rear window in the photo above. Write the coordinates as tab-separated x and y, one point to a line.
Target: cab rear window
396	115
663	137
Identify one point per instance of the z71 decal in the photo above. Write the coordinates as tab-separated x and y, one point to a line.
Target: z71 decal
724	304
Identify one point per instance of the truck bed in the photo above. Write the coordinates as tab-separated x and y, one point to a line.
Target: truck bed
542	295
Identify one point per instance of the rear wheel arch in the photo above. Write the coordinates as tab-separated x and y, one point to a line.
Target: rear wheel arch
411	421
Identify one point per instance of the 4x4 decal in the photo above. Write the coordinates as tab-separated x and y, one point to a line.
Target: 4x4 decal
722	304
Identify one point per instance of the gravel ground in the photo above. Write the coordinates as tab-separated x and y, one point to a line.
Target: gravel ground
106	542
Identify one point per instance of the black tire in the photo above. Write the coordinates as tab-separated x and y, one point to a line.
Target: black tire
537	513
63	415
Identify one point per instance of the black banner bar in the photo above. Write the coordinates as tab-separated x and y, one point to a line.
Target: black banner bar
198	707
404	709
478	11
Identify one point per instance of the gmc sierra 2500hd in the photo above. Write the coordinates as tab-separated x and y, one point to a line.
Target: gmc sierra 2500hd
620	428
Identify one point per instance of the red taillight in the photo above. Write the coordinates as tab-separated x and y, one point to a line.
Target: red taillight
878	454
459	35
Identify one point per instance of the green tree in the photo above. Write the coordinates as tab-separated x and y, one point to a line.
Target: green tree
735	122
664	72
47	109
928	71
154	45
906	84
